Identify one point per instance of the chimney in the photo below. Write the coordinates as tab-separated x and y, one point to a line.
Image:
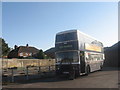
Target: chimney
26	45
15	47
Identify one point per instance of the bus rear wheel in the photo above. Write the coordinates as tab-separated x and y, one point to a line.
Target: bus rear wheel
88	70
101	67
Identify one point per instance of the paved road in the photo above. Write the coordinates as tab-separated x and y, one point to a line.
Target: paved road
108	78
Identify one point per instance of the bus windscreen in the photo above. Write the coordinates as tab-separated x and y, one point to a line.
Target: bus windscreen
67	57
66	37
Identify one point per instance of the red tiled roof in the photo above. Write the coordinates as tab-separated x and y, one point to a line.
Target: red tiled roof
22	49
27	49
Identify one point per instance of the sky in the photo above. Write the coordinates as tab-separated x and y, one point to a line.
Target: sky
36	23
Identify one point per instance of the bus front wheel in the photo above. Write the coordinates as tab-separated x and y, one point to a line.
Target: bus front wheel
72	75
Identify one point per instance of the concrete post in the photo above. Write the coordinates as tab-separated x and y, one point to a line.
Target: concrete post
12	71
49	68
27	73
39	69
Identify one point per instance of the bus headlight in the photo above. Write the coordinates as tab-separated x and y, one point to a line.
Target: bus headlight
58	68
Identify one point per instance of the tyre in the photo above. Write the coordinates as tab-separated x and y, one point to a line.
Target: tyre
77	73
88	70
101	67
72	75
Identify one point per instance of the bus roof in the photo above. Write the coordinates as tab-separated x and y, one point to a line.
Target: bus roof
67	31
75	30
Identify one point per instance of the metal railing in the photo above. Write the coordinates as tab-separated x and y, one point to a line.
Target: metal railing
27	71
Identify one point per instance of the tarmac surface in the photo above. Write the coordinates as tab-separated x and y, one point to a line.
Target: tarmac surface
107	78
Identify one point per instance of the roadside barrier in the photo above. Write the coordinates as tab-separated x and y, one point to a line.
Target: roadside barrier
29	70
36	68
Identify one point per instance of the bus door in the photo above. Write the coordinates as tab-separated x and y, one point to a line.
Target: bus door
82	61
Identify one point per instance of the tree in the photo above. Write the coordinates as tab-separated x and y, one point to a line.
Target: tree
4	49
40	55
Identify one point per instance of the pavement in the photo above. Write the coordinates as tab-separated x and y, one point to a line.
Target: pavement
107	78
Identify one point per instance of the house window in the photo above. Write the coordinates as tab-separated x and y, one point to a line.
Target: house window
21	54
30	54
26	54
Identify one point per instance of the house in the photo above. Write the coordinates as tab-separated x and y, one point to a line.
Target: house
22	51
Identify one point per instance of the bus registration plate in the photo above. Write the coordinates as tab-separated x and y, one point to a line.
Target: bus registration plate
65	72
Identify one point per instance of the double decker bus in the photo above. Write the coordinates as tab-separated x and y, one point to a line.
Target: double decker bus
77	53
